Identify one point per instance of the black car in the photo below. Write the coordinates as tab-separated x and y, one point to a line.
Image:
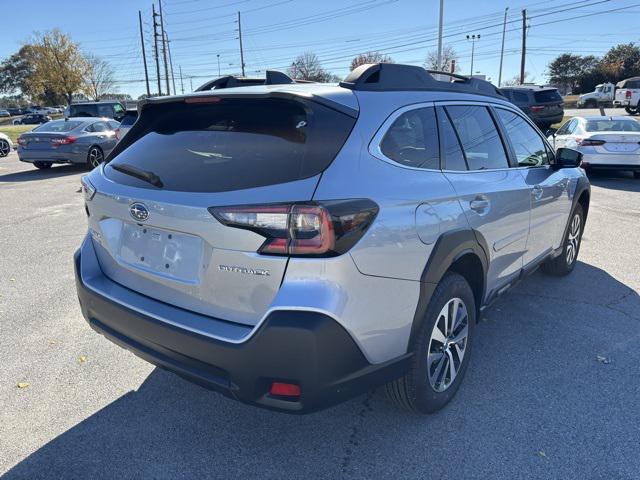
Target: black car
113	110
543	105
33	119
15	111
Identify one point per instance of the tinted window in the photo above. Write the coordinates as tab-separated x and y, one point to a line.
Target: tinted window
527	145
233	144
547	96
113	124
58	126
612	126
100	127
479	137
83	111
105	111
452	155
412	139
520	97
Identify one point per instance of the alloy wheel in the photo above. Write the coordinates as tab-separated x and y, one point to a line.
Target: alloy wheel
448	344
95	157
573	239
5	149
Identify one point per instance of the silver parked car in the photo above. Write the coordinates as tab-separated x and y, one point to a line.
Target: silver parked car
293	245
604	142
81	140
6	145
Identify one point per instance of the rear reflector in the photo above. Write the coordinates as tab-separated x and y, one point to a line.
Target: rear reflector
285	389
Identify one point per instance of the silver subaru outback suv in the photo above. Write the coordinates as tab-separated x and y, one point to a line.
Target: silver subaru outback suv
293	245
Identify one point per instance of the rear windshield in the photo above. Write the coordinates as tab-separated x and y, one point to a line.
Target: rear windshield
233	144
547	96
58	126
129	119
612	126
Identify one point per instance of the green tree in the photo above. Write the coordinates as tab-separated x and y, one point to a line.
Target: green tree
17	71
370	57
568	69
622	61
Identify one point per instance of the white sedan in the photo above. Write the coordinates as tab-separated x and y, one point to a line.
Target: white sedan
5	145
605	142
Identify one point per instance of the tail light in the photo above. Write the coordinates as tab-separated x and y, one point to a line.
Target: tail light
22	141
627	94
587	142
537	108
320	229
63	140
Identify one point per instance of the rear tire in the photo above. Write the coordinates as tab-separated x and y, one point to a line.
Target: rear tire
443	340
95	157
564	263
591	104
42	165
5	148
631	110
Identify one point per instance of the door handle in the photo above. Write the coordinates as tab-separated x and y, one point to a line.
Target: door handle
537	192
479	205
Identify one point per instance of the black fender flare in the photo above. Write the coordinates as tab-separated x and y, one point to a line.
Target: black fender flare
449	247
582	187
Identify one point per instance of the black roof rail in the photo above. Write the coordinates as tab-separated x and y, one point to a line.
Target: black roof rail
272	77
381	77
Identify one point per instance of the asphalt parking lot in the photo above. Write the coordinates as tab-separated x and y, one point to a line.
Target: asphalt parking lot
552	390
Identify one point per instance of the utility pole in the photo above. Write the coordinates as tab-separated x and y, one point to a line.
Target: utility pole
155	50
164	49
144	55
191	81
473	39
439	66
181	84
524	45
241	50
218	64
173	79
504	30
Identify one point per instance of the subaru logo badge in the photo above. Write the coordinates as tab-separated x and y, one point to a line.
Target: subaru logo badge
139	211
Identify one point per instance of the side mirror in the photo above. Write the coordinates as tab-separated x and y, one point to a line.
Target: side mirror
567	158
551	132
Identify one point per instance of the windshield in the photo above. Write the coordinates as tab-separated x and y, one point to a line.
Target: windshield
233	144
599	88
57	126
612	126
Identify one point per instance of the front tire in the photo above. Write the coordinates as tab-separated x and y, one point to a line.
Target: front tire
5	148
631	110
564	263
42	165
95	157
441	349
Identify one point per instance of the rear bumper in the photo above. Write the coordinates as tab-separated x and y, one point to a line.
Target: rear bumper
612	161
306	348
50	155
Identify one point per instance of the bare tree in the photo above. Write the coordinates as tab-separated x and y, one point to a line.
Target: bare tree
307	67
370	57
449	59
512	82
99	77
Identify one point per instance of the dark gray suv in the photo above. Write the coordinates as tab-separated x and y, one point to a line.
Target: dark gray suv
543	105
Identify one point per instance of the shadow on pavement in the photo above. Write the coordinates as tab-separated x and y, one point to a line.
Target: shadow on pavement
615	180
538	401
35	174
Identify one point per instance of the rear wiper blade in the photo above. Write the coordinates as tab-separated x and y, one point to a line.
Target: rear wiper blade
143	175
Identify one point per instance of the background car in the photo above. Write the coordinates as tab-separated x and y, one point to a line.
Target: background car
113	110
5	145
543	105
605	142
74	140
126	123
32	119
15	111
4	113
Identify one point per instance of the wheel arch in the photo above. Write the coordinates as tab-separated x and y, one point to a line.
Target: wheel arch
461	251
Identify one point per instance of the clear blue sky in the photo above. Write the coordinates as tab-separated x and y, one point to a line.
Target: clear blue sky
275	31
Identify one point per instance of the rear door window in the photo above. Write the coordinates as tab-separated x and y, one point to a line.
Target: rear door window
412	140
528	146
478	136
452	156
233	144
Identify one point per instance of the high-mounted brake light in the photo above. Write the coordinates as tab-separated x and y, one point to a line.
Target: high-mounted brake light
587	142
63	140
321	229
202	100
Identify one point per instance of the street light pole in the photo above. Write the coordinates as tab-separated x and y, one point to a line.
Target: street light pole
473	39
439	67
218	64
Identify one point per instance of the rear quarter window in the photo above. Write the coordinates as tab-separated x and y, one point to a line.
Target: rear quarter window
234	144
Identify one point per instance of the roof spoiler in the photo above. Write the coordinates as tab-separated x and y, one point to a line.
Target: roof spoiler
272	77
382	77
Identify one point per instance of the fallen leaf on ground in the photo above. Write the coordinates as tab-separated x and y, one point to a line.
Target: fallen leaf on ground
22	385
12	279
602	359
82	358
54	342
542	454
